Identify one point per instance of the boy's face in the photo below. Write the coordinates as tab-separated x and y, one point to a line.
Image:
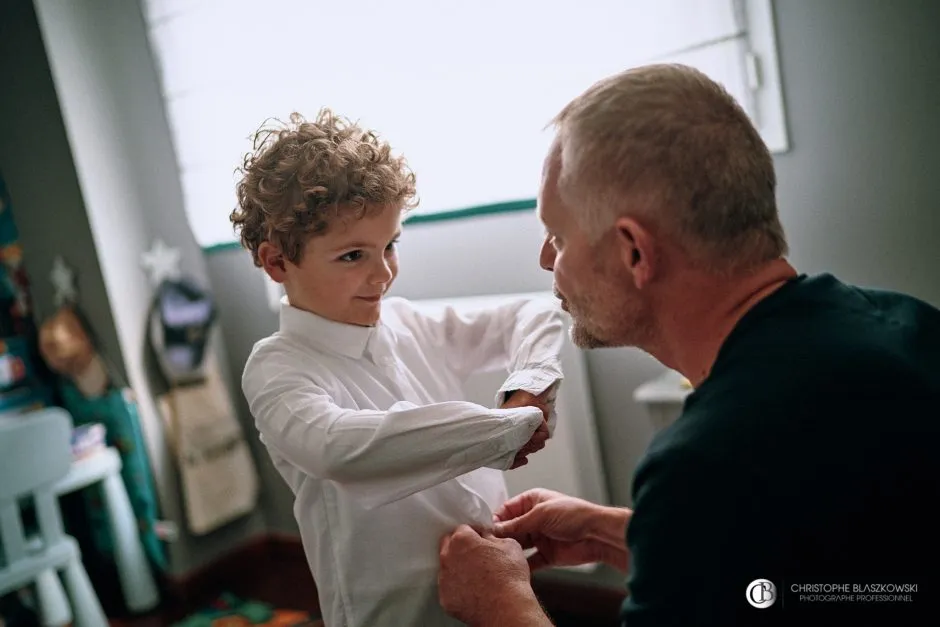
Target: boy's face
343	274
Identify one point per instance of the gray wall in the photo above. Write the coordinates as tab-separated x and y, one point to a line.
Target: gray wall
858	194
36	163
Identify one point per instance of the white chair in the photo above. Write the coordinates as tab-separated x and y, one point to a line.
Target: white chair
35	453
104	466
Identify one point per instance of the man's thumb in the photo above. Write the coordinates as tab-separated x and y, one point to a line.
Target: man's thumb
517	528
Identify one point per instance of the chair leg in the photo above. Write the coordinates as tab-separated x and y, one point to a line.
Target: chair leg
85	604
54	610
137	584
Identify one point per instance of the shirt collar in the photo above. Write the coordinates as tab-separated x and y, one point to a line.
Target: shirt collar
337	337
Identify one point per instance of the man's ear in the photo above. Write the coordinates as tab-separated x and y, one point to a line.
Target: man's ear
637	250
273	261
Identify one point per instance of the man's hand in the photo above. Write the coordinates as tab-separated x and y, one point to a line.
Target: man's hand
566	531
484	580
521	398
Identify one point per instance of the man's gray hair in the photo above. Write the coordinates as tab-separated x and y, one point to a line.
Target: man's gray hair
667	144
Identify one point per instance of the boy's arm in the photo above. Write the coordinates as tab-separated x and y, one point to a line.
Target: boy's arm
382	456
524	336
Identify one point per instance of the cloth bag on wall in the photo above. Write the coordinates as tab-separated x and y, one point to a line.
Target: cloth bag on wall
218	476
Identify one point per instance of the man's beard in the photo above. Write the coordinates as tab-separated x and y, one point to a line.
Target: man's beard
610	312
609	325
582	336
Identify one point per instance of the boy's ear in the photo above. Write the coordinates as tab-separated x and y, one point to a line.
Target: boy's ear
273	262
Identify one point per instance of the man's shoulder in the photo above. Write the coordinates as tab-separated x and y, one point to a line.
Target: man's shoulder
824	338
825	310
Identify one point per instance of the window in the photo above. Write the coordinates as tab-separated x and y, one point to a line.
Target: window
464	90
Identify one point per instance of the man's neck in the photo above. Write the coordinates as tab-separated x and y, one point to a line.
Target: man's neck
703	310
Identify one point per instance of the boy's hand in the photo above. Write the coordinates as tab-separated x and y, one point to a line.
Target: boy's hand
521	398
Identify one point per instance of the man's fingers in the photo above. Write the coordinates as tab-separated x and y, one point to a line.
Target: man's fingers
463	531
458	534
518	505
519	528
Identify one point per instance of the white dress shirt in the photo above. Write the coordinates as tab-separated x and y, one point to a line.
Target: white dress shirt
368	428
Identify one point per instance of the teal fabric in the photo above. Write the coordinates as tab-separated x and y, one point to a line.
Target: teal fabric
117	411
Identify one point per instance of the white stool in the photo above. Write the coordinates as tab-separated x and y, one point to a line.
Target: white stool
137	584
35	451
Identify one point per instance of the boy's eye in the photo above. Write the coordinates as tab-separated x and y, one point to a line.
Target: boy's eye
353	255
392	245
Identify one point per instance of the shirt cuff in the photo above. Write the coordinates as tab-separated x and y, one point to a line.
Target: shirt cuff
526	420
533	380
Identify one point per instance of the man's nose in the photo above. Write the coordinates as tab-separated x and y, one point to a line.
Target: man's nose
547	256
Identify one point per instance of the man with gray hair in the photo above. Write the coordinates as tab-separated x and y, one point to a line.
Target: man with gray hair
807	454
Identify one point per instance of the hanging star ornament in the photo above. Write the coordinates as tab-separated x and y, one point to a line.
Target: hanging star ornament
63	283
161	263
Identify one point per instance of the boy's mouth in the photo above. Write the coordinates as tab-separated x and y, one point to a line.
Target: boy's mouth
371	299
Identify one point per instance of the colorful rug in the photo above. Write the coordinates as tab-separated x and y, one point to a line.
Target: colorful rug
231	611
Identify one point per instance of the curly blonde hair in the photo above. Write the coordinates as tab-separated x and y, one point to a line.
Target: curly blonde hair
304	175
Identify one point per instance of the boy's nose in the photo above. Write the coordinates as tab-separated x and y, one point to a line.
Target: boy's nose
382	274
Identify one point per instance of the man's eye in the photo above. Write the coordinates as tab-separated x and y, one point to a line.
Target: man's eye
351	256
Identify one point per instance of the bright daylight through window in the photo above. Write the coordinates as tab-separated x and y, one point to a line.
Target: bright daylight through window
463	90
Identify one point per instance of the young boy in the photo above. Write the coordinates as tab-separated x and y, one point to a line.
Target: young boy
357	397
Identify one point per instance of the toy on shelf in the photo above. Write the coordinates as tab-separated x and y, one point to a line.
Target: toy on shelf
68	350
88	440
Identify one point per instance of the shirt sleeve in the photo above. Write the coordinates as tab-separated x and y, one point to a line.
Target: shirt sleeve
524	336
381	456
695	541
